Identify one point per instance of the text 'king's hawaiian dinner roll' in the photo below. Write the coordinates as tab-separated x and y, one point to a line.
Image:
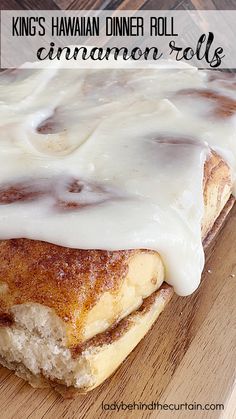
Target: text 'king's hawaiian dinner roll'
106	196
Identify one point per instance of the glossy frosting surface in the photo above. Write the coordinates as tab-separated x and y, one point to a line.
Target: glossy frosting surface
113	159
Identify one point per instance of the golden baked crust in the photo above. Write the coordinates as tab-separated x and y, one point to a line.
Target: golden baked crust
48	292
64	279
76	284
85	287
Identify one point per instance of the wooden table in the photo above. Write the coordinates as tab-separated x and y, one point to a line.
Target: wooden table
117	4
190	353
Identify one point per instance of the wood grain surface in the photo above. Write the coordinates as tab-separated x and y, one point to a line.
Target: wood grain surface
117	4
190	353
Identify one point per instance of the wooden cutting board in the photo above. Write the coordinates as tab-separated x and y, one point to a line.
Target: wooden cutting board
189	356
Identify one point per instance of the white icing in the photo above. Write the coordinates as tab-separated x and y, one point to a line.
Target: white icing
136	148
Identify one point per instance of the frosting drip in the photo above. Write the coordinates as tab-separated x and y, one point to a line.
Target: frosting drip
100	159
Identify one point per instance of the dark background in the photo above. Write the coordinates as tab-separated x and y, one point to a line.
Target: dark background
117	4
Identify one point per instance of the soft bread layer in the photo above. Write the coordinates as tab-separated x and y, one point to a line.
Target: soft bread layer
89	290
34	336
37	358
145	275
97	289
44	361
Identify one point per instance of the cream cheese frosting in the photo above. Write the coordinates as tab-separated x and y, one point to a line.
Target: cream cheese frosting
113	159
